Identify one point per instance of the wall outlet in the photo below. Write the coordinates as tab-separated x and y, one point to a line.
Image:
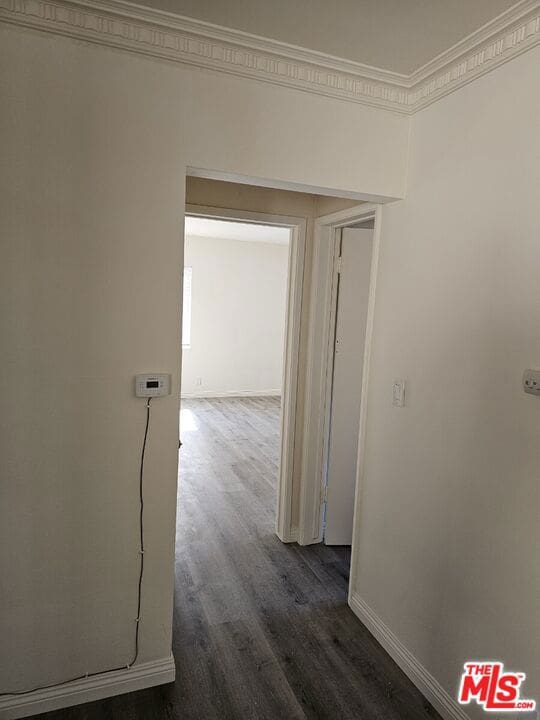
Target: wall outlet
398	393
531	382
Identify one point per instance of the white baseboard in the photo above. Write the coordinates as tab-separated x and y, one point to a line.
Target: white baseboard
232	393
417	673
138	677
291	536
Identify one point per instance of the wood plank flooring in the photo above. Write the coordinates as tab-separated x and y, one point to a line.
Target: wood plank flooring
262	630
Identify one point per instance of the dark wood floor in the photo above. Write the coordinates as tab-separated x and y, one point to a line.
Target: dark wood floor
262	630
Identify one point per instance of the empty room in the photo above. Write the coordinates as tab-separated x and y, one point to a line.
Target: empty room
270	370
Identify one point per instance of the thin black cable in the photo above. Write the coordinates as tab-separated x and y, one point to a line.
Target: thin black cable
141	532
139	592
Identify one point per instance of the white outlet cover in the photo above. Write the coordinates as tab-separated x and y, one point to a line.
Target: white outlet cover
398	393
531	382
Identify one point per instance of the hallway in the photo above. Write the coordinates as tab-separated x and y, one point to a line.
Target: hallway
262	630
268	633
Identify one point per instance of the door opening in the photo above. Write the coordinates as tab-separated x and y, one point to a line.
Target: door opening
342	305
242	293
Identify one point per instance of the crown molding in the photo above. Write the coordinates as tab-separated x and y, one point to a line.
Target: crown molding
164	35
503	38
167	36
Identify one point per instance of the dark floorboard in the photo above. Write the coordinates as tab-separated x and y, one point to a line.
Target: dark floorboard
262	630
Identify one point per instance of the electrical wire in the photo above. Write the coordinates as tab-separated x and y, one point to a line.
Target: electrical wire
139	590
141	533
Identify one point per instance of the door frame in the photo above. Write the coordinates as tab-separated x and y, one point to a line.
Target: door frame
320	363
291	350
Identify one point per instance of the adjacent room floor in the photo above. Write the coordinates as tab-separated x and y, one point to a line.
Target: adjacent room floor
262	630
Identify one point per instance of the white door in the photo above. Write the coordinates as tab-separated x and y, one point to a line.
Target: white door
350	334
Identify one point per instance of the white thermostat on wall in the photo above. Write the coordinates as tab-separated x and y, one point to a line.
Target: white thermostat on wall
154	385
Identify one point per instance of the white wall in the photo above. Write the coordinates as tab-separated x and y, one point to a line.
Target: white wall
238	317
94	144
448	533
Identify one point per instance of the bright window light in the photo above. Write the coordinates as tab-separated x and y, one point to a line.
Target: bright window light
186	309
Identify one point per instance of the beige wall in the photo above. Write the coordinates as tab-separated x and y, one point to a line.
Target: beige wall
239	299
94	146
89	280
448	532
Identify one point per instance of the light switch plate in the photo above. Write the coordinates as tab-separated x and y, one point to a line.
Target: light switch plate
531	382
152	385
398	393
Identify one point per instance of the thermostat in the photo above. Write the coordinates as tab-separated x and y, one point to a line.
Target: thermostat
155	385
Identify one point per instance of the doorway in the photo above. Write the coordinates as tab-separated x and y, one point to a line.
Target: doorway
262	628
242	295
342	303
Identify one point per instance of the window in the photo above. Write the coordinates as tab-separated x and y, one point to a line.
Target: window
186	309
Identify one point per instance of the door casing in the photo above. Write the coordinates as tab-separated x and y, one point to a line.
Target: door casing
319	364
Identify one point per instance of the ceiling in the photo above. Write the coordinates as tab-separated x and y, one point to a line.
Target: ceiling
229	230
396	35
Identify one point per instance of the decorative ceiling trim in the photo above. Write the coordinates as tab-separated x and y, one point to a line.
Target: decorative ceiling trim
506	36
164	35
131	27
